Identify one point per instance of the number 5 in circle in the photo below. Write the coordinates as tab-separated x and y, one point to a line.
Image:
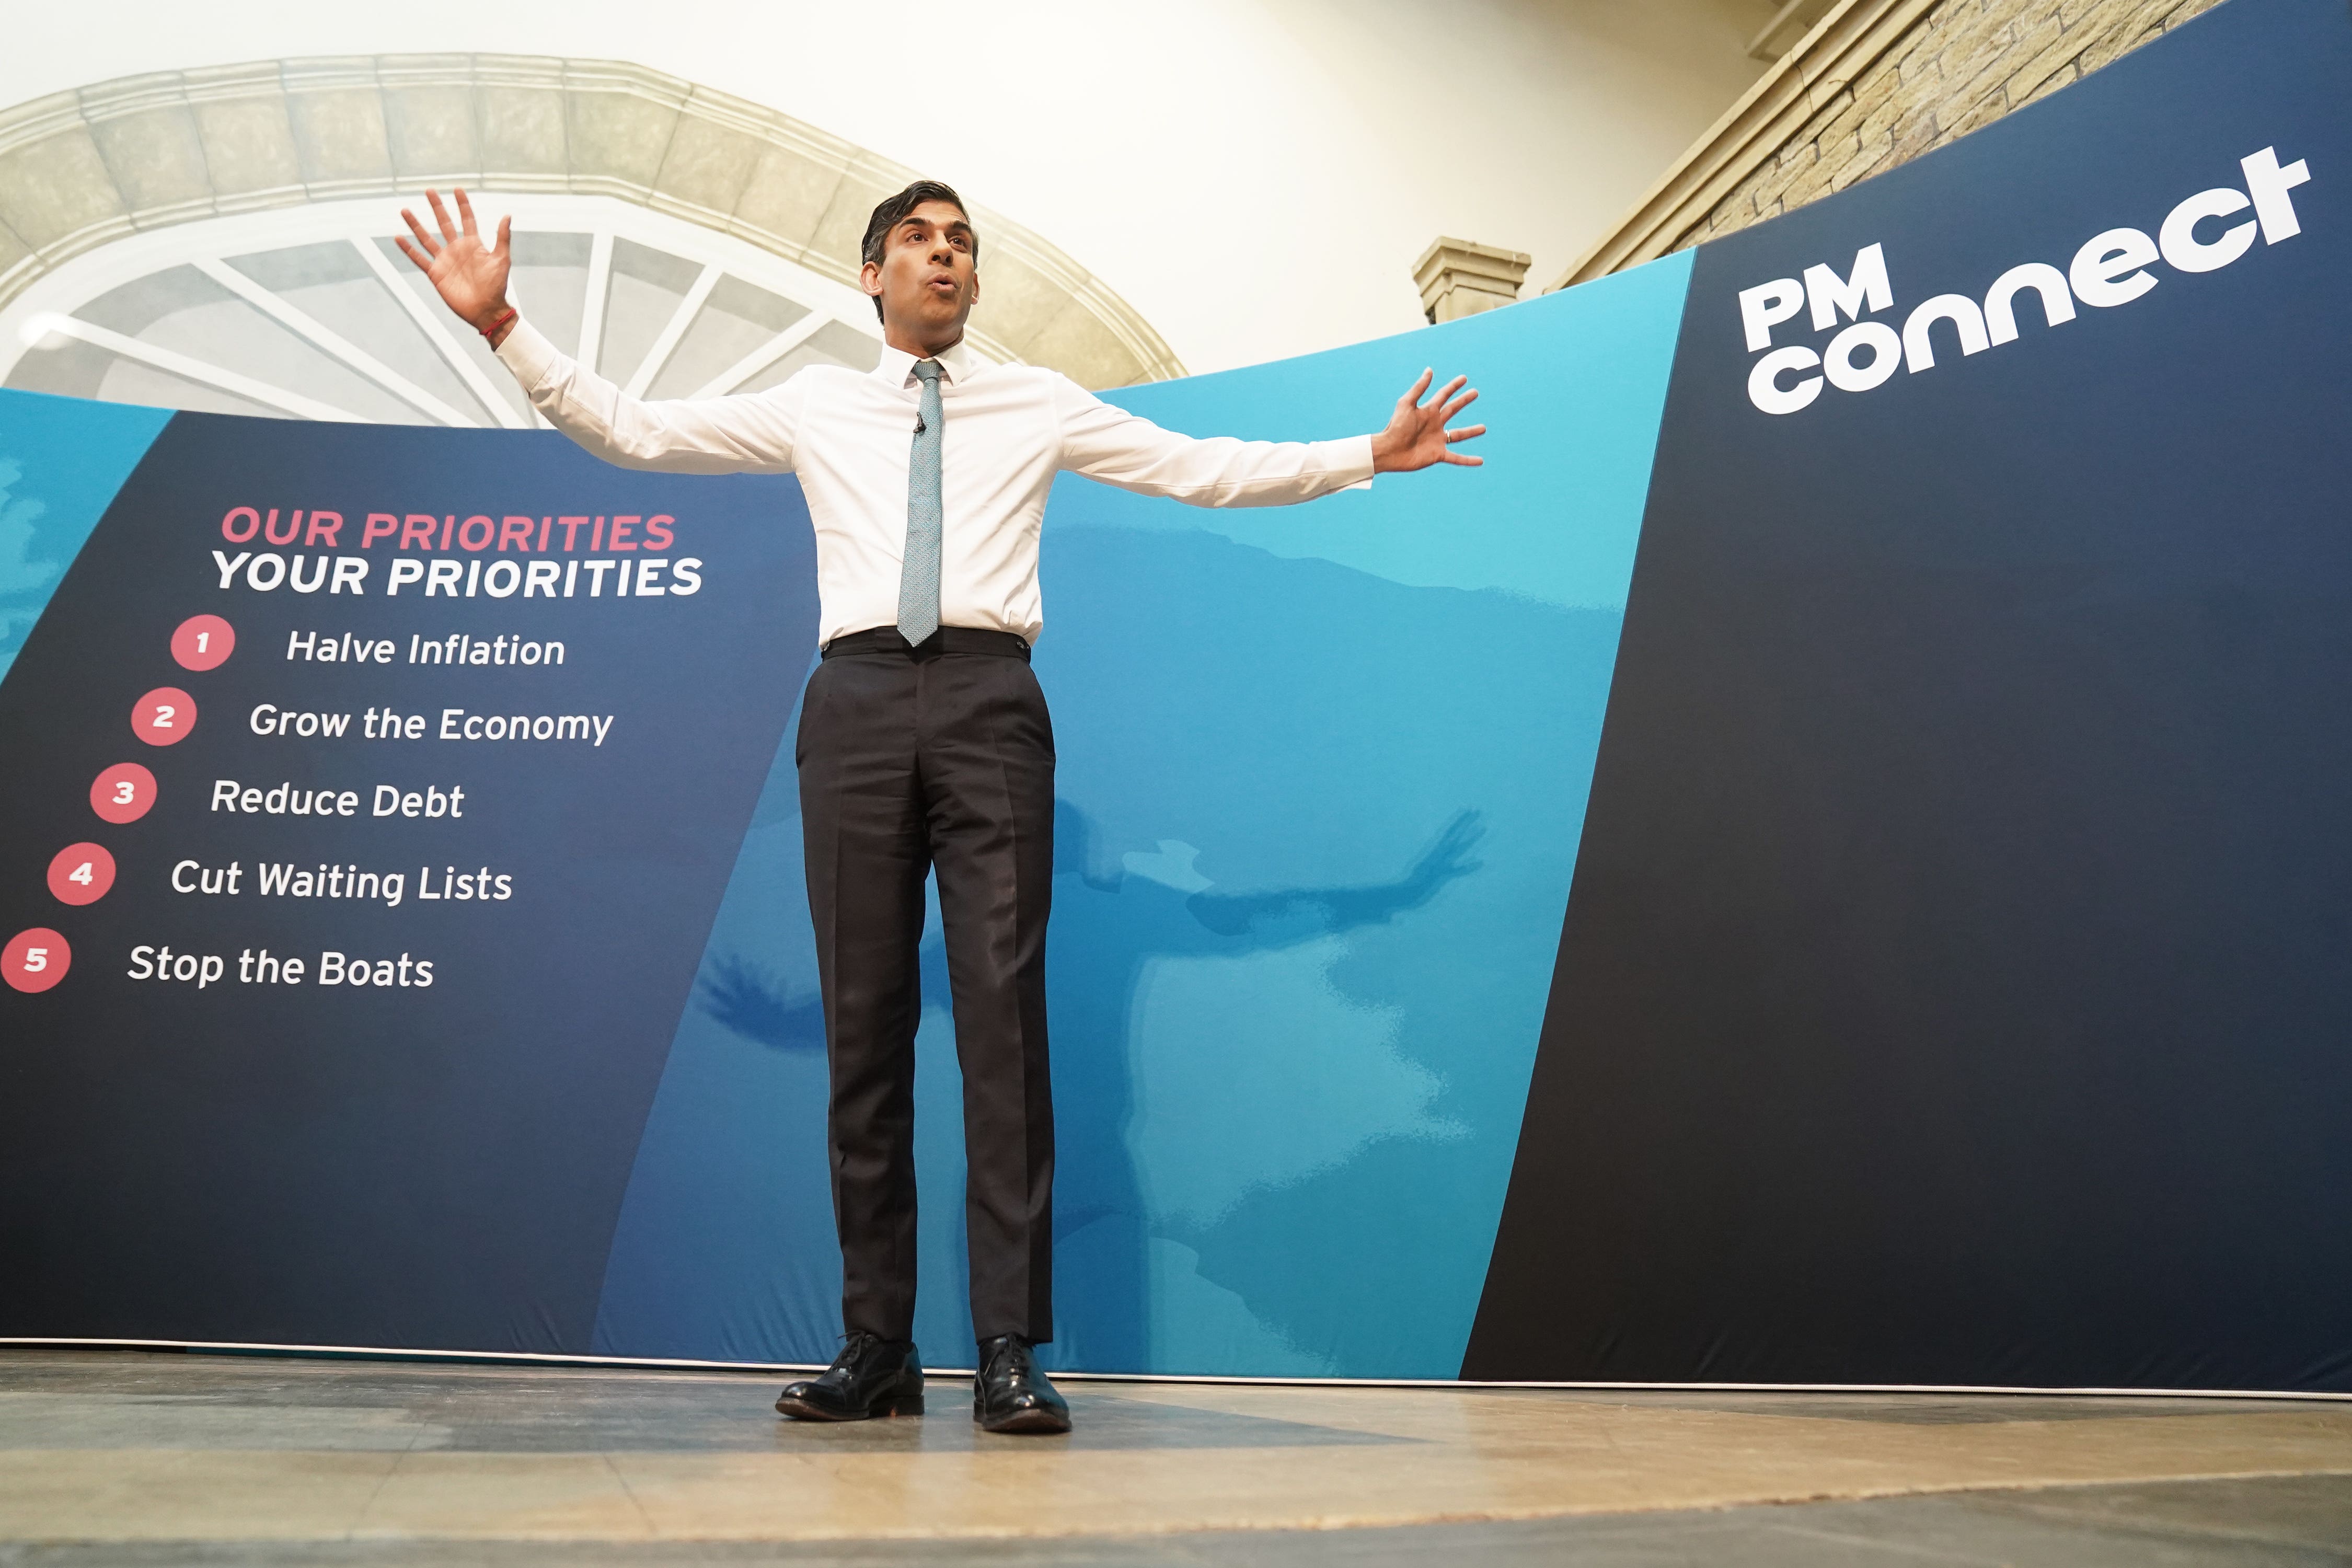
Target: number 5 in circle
35	960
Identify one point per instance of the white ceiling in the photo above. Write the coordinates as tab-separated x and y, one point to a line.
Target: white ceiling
1255	176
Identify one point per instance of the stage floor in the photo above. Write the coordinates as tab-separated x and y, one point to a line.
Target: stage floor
137	1458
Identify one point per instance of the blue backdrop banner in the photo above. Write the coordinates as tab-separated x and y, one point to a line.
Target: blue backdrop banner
1928	974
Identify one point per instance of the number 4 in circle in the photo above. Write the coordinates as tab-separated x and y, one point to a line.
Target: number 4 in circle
81	873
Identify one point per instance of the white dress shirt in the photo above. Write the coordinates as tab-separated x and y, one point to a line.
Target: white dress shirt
848	435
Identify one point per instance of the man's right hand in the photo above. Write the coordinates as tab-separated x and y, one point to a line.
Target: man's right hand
470	275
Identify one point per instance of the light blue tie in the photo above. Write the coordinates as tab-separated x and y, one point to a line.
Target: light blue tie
919	570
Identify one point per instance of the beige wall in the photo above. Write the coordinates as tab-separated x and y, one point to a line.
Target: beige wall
1255	176
1876	83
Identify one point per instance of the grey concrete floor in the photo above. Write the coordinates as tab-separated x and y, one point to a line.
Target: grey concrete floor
2281	1520
128	1436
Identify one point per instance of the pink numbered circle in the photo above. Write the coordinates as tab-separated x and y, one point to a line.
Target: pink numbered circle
204	642
35	960
163	716
122	792
81	873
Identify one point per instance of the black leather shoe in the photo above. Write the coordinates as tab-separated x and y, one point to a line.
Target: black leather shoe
1010	1394
871	1376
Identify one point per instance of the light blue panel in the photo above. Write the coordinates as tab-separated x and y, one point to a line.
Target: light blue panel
1322	773
1318	829
1571	385
61	461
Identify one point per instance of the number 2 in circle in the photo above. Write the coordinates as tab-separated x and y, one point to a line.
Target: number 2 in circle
163	716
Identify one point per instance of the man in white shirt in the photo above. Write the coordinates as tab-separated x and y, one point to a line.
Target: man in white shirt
924	744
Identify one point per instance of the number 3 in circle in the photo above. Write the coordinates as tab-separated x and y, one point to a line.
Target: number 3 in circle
122	792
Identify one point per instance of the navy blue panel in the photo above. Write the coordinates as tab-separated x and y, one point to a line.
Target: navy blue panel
226	1157
1956	977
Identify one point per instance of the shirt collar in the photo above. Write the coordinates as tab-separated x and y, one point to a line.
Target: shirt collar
957	365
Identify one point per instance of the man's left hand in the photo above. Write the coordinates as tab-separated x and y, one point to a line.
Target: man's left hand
1417	436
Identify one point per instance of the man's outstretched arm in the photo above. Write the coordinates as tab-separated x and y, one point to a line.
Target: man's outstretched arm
1111	445
705	435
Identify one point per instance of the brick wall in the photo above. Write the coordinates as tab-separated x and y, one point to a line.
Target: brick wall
1963	65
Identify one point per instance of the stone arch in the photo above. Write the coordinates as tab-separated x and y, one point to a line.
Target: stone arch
80	168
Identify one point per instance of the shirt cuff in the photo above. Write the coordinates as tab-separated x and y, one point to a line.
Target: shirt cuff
527	353
1349	462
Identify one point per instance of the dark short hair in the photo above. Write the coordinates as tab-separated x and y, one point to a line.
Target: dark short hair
893	211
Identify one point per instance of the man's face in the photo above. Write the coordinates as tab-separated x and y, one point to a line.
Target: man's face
927	280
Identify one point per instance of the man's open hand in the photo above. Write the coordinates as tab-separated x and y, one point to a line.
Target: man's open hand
471	275
1417	436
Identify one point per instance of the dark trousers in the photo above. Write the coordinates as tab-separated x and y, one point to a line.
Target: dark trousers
911	761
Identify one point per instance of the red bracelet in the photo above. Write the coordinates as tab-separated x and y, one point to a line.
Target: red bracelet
508	315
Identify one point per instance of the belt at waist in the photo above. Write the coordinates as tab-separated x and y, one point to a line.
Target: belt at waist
947	639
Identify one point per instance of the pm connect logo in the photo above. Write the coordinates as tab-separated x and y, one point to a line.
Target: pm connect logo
2110	269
